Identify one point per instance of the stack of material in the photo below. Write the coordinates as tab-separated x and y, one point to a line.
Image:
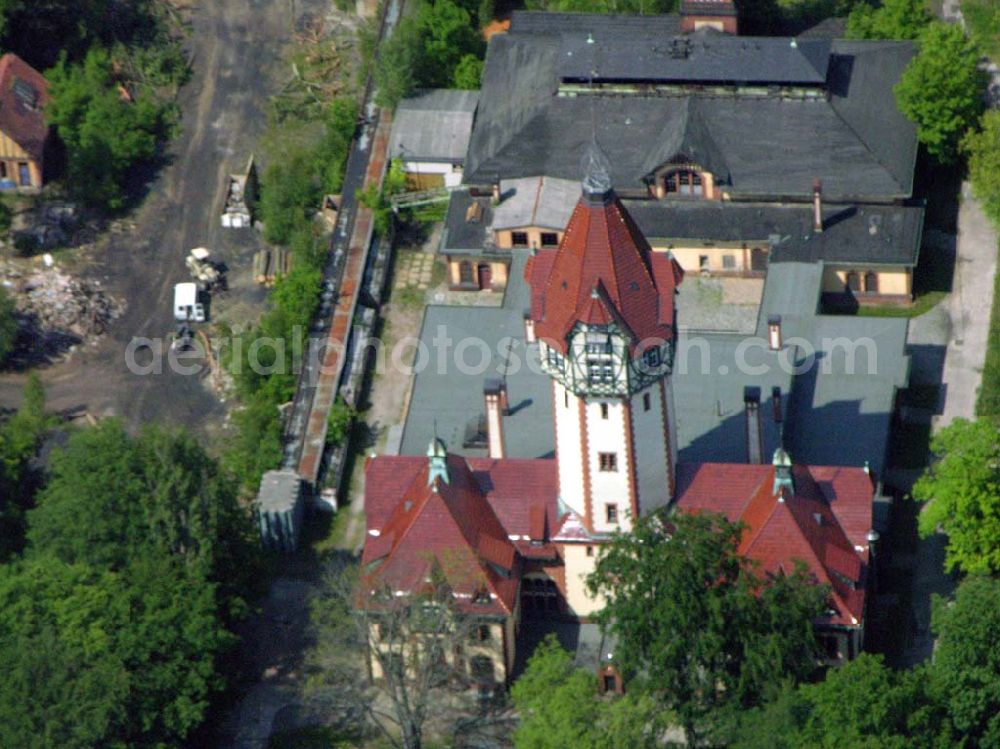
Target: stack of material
241	194
269	264
61	303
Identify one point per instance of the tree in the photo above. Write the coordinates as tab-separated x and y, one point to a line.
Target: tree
98	658
290	191
111	499
743	633
8	325
19	439
941	89
447	35
468	72
894	19
106	137
559	707
966	670
863	705
962	492
391	663
983	148
397	61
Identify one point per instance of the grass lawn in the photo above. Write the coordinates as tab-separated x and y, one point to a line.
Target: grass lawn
982	19
988	402
920	305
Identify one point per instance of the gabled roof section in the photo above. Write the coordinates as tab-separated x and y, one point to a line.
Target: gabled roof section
773	144
602	271
437	528
23	96
809	524
685	138
433	125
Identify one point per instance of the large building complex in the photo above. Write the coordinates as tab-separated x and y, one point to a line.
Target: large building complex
515	535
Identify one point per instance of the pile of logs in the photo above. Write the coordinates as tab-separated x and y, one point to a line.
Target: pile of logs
269	264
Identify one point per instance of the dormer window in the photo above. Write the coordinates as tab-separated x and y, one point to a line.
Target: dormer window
598	343
683	182
651	358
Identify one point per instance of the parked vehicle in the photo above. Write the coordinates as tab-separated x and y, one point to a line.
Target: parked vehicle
187	306
203	269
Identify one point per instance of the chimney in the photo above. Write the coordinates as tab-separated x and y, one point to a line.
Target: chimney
817	205
496	192
495	394
783	479
774	332
751	407
529	328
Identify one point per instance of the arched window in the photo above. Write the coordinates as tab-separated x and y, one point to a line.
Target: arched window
871	282
853	282
683	182
465	272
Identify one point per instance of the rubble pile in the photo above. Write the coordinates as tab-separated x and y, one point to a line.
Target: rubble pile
57	302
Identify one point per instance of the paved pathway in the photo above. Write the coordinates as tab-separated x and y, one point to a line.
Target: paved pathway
969	310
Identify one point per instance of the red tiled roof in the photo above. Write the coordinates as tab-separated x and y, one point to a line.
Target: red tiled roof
603	269
804	525
21	121
514	486
458	528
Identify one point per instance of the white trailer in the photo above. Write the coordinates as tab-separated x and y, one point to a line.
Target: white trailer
187	308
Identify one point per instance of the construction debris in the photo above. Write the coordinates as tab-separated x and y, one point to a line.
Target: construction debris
51	301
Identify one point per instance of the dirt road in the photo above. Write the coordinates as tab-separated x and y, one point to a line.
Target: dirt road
235	46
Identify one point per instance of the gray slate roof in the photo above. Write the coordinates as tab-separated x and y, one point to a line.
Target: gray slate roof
433	125
544	22
865	234
769	147
853	234
451	399
702	57
837	412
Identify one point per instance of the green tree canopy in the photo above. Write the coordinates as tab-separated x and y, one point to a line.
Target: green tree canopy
894	19
112	499
468	73
743	633
8	325
962	492
19	439
983	148
104	659
966	668
106	137
559	707
942	89
863	705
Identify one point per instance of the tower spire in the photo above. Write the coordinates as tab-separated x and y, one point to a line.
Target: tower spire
596	172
